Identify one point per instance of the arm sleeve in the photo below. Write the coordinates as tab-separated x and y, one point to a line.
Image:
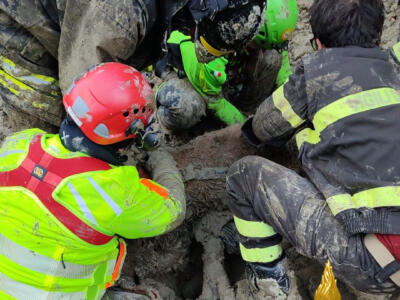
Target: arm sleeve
97	31
278	117
147	208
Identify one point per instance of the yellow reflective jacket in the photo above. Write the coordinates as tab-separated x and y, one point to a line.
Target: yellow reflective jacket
40	256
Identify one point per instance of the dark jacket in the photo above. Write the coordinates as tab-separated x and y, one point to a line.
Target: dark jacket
66	37
347	101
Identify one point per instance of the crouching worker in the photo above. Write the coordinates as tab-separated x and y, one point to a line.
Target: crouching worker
233	80
343	103
190	87
66	200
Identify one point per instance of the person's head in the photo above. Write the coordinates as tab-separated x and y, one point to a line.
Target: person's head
111	105
343	23
280	21
226	29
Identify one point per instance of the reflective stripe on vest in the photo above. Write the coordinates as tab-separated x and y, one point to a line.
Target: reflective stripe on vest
56	279
40	172
386	196
18	290
345	107
43	264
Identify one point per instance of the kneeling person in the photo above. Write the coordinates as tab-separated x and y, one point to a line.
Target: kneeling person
66	199
345	98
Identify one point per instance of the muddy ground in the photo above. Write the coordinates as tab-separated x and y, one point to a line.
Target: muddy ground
190	262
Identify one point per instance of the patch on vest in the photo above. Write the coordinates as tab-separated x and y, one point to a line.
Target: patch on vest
39	172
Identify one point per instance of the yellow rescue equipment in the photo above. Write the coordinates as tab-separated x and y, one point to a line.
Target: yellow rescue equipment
327	289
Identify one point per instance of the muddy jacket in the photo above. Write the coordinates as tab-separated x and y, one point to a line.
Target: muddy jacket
62	213
348	100
43	40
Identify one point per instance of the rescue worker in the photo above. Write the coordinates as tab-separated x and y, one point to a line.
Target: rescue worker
345	99
63	211
43	41
190	87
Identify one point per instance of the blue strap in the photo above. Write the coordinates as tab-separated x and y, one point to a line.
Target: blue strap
387	271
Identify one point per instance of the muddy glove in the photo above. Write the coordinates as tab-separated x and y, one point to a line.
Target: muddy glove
147	138
163	170
226	112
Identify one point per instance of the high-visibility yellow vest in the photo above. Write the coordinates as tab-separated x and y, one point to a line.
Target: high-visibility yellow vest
43	255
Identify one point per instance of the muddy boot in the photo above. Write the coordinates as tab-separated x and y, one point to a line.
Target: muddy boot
265	280
230	238
268	281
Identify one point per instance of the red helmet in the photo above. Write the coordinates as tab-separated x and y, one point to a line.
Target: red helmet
108	101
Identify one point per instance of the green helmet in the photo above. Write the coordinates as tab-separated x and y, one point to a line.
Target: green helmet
280	22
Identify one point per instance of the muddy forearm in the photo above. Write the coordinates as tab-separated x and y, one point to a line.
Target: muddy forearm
165	173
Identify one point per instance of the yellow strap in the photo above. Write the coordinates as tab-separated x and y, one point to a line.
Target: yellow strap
211	49
261	255
344	107
253	229
285	108
372	198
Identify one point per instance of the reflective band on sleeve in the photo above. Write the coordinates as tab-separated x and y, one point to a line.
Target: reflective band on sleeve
396	51
28	80
117	210
155	188
386	196
253	229
81	203
261	255
285	108
344	107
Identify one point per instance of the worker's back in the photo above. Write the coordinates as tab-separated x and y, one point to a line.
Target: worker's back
350	152
59	213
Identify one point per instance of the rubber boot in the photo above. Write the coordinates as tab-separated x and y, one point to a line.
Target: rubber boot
259	274
265	279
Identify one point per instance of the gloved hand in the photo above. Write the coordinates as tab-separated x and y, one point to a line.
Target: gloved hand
162	167
285	71
147	138
226	112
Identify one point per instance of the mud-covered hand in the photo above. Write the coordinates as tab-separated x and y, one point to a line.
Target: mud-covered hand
162	167
226	112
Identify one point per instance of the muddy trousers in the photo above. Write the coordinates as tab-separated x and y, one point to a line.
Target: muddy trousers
263	192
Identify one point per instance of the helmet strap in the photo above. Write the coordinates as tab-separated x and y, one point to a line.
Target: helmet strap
210	49
75	140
